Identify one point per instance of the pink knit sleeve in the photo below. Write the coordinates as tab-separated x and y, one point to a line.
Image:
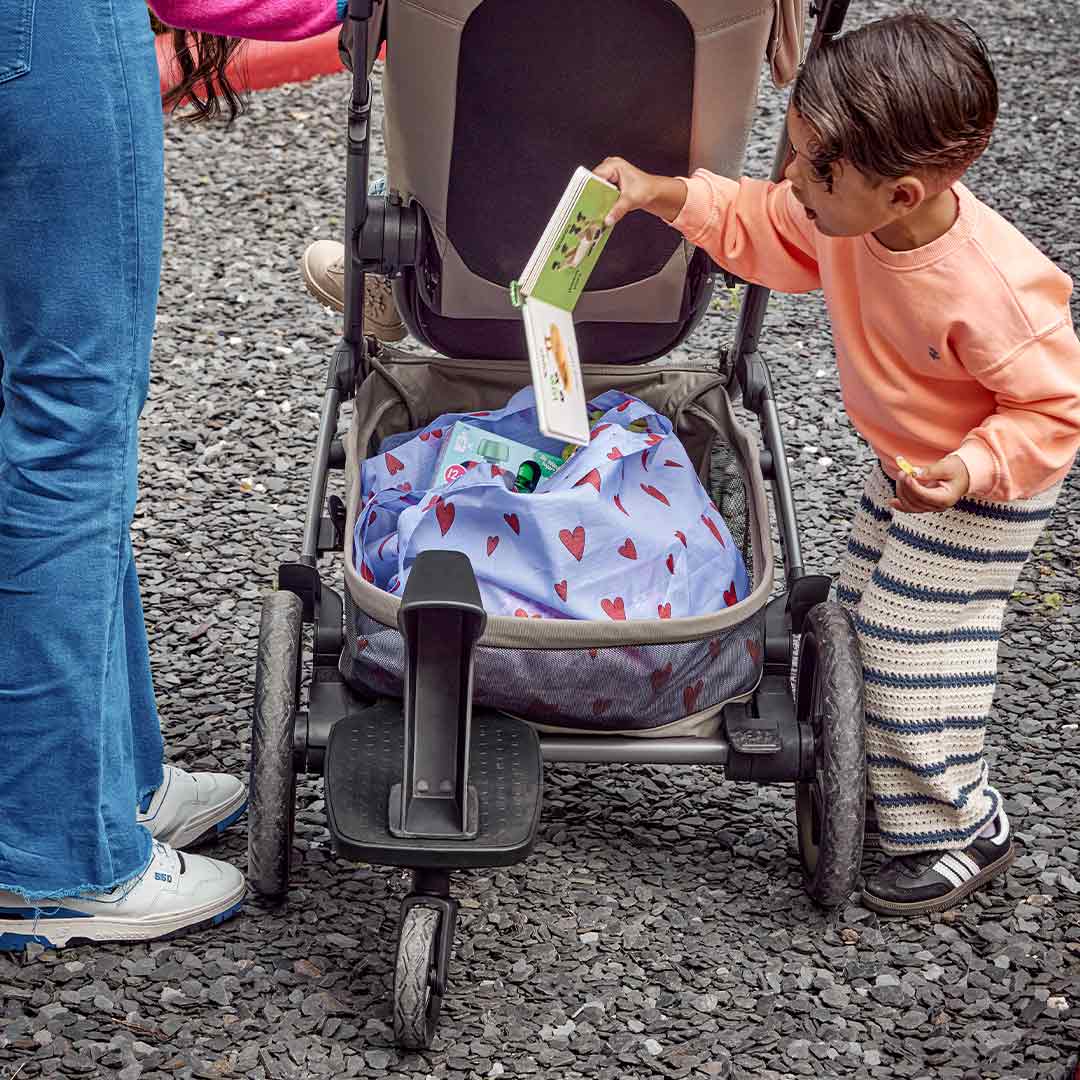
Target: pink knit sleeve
261	20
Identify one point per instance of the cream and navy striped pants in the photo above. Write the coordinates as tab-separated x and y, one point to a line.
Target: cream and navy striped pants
927	593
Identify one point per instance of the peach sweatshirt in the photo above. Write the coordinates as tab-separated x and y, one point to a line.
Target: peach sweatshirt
963	346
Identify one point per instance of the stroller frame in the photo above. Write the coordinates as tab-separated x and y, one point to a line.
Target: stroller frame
814	740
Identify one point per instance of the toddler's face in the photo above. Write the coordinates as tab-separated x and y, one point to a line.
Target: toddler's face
846	203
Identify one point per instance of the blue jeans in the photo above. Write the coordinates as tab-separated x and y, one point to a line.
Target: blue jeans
81	177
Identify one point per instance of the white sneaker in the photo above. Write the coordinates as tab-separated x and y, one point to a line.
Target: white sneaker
175	892
192	806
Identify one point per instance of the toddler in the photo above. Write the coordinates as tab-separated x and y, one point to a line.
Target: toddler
956	352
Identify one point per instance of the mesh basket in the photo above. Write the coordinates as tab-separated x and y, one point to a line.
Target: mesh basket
652	676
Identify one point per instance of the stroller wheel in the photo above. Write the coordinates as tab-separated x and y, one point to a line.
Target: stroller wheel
273	781
831	803
416	1001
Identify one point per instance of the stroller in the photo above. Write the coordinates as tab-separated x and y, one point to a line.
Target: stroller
430	721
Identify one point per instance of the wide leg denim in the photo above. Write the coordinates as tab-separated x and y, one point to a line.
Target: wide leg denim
81	208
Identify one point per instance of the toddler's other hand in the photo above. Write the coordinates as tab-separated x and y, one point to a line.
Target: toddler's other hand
660	195
936	488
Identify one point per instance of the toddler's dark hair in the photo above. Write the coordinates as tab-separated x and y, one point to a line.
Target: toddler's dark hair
905	95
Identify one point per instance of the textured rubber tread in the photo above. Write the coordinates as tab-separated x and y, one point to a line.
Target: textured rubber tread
272	789
414	1024
830	673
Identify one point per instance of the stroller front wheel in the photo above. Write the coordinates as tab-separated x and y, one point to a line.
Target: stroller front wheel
416	1002
272	789
830	805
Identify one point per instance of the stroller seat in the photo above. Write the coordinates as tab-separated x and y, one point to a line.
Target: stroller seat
511	99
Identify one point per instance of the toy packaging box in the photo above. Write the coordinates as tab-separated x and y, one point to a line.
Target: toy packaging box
468	444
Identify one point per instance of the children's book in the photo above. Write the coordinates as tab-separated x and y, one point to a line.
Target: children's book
549	287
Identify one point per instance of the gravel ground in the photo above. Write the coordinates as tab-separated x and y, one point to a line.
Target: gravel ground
660	928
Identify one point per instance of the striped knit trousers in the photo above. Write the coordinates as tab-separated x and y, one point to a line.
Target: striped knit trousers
927	593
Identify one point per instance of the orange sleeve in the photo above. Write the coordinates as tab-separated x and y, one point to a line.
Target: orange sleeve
753	228
1034	430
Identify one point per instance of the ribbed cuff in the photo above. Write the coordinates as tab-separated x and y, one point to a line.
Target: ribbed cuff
981	466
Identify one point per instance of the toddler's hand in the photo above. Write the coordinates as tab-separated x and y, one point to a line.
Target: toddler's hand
935	488
660	195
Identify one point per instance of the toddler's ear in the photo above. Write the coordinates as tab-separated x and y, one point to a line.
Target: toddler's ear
908	193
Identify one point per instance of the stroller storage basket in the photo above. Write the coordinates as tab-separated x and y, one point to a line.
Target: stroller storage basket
645	677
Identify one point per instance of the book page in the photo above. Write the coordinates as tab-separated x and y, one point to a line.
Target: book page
576	247
556	371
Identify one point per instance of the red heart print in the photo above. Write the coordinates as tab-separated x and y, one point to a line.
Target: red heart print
614	454
754	649
645	460
512	521
614	609
362	644
492	544
711	526
393	464
365	572
670	561
591	477
660	678
395	585
628	551
371	519
600	706
655	493
681	536
730	595
537	616
480	414
594	653
618	503
406	487
691	694
574	542
445	513
625	405
673	464
436	433
431	502
652	440
521	613
714	647
596	430
425	435
560	588
496	471
663	611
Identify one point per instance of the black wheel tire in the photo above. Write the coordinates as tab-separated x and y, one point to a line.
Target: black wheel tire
831	806
272	791
416	1008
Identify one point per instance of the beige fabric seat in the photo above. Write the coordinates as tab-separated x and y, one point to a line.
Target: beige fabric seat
490	105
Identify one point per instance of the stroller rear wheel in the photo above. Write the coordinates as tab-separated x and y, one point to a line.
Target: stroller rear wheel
273	779
831	804
416	1002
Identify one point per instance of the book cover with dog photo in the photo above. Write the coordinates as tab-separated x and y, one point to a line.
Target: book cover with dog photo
549	287
569	257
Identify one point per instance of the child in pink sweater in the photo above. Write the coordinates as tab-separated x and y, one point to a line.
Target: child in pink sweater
956	352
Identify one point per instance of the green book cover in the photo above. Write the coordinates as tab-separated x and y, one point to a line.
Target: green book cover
577	246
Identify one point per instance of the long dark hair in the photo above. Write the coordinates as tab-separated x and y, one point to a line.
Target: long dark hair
204	84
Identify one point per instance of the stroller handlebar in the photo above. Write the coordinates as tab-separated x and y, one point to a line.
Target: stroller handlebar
829	14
